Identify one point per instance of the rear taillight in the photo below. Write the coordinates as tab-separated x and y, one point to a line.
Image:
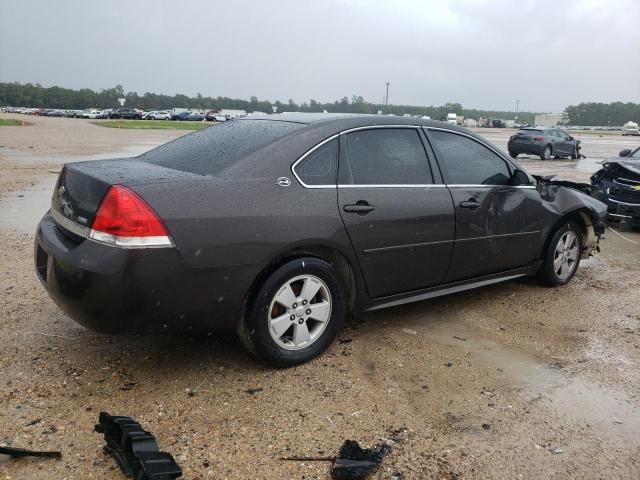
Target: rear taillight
124	219
538	138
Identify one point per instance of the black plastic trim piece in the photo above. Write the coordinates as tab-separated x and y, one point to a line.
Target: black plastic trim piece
135	449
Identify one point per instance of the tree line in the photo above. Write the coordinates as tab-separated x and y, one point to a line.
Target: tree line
35	95
603	114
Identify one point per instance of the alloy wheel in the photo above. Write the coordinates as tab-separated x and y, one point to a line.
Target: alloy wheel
565	258
299	312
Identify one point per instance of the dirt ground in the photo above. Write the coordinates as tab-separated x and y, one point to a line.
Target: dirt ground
510	381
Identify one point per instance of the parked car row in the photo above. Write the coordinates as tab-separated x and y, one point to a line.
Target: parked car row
128	114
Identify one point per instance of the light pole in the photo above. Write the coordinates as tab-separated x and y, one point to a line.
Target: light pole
386	100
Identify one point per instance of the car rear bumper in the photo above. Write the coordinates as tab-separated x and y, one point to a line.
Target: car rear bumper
116	290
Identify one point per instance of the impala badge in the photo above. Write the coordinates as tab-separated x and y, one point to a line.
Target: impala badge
283	182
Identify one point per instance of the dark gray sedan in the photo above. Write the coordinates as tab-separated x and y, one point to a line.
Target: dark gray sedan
278	226
544	142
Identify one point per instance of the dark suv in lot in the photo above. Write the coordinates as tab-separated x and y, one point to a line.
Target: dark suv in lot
126	113
544	142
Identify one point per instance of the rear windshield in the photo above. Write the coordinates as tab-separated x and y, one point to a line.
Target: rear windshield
212	150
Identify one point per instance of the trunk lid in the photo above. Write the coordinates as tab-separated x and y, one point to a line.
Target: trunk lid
82	186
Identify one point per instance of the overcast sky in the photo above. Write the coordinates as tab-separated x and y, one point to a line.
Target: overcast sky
481	53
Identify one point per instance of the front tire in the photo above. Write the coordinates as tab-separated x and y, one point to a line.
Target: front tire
546	153
562	257
513	154
296	313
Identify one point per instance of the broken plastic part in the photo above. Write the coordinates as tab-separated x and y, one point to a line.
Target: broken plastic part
21	452
354	462
135	449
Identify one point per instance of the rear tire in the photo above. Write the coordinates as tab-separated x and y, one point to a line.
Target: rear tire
546	153
296	313
513	154
562	257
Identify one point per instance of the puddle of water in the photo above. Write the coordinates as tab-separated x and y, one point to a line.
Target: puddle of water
128	151
603	408
612	412
589	165
23	210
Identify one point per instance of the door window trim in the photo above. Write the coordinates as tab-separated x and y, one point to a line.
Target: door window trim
428	165
355	129
509	163
309	152
427	149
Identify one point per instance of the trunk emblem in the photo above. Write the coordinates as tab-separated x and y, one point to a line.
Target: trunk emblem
66	206
283	182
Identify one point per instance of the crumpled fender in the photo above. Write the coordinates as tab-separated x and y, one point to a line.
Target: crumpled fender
565	198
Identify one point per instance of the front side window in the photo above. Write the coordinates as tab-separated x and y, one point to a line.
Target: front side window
391	156
468	162
320	167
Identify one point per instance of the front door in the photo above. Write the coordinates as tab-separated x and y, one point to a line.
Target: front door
567	145
498	225
400	223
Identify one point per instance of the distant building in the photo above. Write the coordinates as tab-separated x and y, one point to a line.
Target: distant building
549	119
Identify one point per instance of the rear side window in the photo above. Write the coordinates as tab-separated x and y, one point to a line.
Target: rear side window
320	167
393	156
467	162
212	150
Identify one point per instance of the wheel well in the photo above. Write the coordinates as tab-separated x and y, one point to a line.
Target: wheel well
332	256
582	218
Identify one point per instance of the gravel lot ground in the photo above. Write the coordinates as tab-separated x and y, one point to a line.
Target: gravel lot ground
477	385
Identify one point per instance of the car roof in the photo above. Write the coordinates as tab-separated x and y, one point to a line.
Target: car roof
318	127
540	128
345	121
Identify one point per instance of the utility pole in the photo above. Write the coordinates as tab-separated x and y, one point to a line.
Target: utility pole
386	100
517	105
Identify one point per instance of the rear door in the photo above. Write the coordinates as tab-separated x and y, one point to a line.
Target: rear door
400	221
498	225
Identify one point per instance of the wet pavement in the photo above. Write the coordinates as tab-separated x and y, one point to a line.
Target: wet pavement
514	380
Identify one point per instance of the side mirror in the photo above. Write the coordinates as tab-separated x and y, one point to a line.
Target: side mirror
625	152
520	178
570	137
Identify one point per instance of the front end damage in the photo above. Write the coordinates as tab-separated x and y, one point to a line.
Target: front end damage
575	199
618	185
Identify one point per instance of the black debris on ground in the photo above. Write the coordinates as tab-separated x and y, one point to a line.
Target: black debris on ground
354	462
21	452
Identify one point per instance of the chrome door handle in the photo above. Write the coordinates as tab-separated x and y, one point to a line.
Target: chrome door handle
473	204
